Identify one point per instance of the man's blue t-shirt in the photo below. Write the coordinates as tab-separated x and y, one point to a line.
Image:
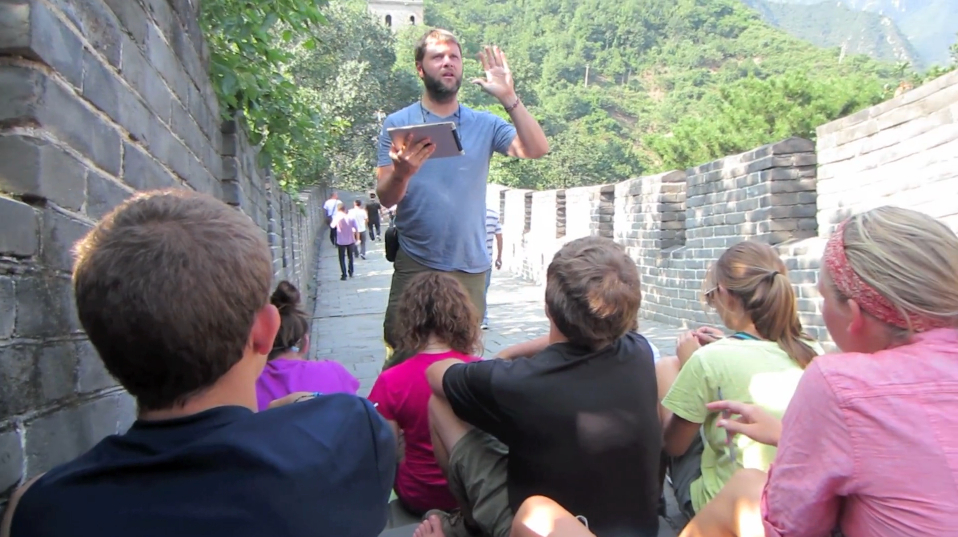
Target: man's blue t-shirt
441	220
322	467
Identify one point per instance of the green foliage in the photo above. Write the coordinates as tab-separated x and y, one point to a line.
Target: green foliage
751	112
661	73
250	45
308	82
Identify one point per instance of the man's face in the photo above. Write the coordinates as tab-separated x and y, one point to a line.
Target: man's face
441	70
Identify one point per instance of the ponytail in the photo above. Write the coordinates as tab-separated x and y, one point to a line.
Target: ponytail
755	274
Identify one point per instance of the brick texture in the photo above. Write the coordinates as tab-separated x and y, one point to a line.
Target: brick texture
100	99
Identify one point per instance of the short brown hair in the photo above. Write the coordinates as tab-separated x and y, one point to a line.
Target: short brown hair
436	35
436	304
592	292
167	287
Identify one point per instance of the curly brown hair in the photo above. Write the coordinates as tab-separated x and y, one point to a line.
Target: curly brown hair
436	304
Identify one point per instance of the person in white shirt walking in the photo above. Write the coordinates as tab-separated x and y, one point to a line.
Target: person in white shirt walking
359	214
493	231
330	208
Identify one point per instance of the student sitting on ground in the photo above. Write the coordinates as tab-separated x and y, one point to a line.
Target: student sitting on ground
289	369
578	422
868	441
761	362
173	290
437	322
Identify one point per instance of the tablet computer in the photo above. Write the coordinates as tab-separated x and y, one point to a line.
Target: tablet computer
443	135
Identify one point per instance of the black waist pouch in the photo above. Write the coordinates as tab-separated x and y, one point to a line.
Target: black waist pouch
391	242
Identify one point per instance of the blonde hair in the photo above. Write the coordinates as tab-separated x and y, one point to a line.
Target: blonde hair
755	274
909	258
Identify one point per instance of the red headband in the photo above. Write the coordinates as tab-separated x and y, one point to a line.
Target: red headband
852	286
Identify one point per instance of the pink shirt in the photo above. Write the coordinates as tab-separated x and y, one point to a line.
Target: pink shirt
403	396
870	442
345	228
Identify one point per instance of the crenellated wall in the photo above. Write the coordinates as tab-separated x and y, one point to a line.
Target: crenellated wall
788	194
99	99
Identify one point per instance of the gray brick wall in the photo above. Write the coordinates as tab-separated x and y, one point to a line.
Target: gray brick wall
788	194
99	99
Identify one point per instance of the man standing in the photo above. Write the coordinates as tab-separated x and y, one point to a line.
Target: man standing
373	209
441	202
330	208
358	214
493	231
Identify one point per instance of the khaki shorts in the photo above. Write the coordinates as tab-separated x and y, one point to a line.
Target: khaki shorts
477	479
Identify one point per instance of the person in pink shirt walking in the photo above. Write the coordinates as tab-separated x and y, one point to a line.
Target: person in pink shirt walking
437	322
869	442
346	231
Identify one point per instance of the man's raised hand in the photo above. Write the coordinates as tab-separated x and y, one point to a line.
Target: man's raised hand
408	157
498	81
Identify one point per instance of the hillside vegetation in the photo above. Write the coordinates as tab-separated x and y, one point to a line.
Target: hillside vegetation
831	24
628	87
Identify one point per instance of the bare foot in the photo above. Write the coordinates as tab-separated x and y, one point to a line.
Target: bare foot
431	527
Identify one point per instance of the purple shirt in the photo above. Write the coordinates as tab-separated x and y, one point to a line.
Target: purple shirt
345	229
282	377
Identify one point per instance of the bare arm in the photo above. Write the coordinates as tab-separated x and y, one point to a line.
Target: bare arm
525	349
7	522
392	179
530	141
498	250
435	373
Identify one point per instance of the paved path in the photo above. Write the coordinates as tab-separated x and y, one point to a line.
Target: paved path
348	320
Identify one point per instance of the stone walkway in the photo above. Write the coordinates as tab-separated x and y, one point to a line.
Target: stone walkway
348	321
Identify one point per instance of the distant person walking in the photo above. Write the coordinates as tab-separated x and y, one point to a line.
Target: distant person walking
493	232
345	228
358	214
441	201
374	212
330	208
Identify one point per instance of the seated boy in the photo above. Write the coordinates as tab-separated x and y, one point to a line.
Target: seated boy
577	423
173	290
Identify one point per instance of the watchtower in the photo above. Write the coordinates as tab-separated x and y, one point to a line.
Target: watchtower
397	13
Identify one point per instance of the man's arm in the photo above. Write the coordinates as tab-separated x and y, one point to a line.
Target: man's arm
530	140
436	371
498	250
406	159
525	349
7	522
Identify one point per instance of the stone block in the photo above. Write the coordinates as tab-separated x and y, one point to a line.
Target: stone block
146	81
8	307
91	373
97	23
30	96
56	367
32	30
45	307
69	432
103	194
167	64
162	14
20	391
142	172
11	459
60	233
35	168
19	229
186	128
132	17
793	145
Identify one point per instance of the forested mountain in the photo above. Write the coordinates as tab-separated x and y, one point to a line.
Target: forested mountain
930	25
831	24
625	87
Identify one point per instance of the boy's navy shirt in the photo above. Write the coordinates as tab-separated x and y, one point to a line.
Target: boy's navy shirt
323	467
